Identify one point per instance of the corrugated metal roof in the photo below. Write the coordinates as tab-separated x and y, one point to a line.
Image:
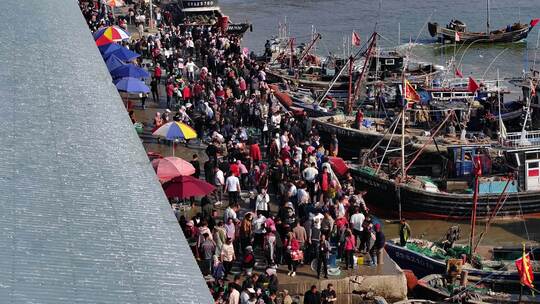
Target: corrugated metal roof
82	217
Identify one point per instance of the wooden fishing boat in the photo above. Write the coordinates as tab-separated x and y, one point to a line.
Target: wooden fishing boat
437	287
450	196
376	128
300	103
456	32
429	260
456	29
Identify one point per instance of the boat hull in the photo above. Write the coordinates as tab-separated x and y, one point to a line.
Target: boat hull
385	197
422	265
448	35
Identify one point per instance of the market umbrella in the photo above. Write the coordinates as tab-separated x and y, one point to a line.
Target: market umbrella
105	50
170	167
110	34
131	85
338	165
187	186
122	53
175	130
113	62
129	70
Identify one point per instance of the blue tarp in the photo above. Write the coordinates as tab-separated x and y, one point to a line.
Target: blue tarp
108	48
129	70
122	53
113	62
131	85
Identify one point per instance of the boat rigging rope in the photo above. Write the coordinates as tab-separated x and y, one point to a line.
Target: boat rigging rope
423	26
382	138
524	220
387	146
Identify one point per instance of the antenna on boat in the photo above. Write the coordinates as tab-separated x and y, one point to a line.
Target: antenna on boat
487	23
398	34
502	128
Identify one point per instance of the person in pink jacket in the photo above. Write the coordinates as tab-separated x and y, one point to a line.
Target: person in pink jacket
350	245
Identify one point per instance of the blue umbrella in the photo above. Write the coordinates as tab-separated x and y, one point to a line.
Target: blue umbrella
113	62
123	54
108	48
131	85
129	70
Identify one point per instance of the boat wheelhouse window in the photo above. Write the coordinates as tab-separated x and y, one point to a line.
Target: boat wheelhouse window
437	95
462	94
389	62
467	155
533	165
447	95
533	155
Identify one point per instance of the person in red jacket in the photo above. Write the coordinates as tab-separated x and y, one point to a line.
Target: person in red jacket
234	169
170	91
157	73
186	93
255	153
293	247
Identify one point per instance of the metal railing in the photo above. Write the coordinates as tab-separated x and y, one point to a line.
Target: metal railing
522	139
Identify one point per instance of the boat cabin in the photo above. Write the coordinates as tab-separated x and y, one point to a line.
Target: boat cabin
522	151
461	171
461	160
386	64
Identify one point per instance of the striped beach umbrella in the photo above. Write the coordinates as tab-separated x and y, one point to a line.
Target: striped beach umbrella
106	35
175	130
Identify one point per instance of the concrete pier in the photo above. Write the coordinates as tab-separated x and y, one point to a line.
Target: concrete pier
387	280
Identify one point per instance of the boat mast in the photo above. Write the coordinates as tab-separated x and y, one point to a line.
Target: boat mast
291	41
487	23
403	172
349	96
477	171
365	68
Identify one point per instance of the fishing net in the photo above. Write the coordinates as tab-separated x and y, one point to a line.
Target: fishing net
367	170
432	252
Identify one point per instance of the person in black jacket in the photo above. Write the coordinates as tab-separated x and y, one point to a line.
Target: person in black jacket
323	250
197	165
312	296
376	252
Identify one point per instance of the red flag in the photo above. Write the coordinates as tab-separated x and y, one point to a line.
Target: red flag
473	86
534	22
525	271
456	37
533	88
355	40
411	96
458	73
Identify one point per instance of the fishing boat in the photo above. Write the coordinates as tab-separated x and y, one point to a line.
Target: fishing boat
456	32
439	287
335	76
487	103
301	103
450	196
205	12
377	127
426	258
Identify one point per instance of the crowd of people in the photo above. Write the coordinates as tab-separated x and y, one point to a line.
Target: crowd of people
278	200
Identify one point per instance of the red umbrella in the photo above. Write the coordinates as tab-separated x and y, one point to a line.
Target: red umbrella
169	167
338	165
187	186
